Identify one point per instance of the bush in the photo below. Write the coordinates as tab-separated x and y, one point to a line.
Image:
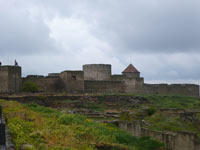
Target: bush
151	111
30	87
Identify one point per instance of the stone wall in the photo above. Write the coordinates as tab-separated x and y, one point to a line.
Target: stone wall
10	79
173	89
172	140
131	84
73	80
14	78
132	74
104	86
66	81
45	84
4	79
97	72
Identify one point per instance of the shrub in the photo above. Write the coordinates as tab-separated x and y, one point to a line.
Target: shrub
125	116
30	87
151	111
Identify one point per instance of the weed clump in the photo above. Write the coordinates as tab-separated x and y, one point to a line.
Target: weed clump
30	87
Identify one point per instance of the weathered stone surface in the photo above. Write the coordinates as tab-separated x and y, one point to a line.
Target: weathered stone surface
172	140
10	77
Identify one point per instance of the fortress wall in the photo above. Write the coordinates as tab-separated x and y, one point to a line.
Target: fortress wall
156	88
104	86
45	84
131	84
10	78
4	79
39	80
184	89
73	80
173	89
117	77
97	72
50	84
134	85
14	77
131	74
53	74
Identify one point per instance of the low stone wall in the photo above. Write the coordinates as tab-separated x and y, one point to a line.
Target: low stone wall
104	86
45	84
172	140
173	89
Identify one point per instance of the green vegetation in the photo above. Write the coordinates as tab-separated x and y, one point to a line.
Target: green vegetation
161	121
30	87
151	111
164	122
181	102
167	101
46	128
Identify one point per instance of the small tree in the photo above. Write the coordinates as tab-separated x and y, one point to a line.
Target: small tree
29	86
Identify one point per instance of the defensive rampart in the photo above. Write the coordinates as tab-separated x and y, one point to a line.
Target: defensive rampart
45	84
173	89
104	86
93	78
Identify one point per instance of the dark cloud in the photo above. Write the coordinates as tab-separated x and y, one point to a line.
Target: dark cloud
151	26
160	37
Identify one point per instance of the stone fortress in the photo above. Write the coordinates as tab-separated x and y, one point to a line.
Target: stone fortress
94	78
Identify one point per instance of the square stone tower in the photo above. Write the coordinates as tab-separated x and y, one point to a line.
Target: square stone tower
10	79
73	80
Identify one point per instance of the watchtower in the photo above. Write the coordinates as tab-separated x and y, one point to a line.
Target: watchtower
131	71
10	79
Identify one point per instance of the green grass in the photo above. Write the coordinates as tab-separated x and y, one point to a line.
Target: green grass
167	101
181	102
164	122
47	128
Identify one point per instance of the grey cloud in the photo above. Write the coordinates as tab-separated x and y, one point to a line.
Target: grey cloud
21	35
128	28
137	25
164	27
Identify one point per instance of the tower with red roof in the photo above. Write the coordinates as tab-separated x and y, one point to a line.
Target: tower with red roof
131	71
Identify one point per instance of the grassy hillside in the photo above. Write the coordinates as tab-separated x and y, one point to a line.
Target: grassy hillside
163	121
182	102
44	128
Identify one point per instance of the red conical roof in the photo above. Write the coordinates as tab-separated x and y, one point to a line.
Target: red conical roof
130	69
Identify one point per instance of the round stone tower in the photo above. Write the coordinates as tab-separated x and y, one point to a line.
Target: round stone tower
97	71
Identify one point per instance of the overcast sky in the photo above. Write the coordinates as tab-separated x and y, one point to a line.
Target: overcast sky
161	38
